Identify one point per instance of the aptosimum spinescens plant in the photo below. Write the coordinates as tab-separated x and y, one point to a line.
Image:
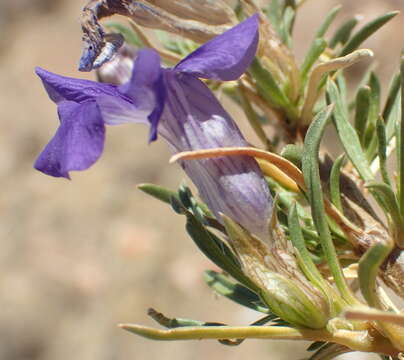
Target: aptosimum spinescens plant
292	229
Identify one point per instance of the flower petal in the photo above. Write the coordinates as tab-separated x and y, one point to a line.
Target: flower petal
116	110
192	120
226	56
62	88
146	88
78	142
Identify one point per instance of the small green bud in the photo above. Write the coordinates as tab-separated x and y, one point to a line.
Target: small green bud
283	288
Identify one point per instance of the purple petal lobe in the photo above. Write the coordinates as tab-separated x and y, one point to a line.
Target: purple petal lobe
146	88
226	56
193	119
117	110
62	88
78	142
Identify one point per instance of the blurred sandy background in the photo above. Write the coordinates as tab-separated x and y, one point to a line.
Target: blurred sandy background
79	257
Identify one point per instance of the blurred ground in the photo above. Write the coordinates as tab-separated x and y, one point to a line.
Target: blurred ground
78	257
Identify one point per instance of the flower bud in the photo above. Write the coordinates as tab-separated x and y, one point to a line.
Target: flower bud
283	287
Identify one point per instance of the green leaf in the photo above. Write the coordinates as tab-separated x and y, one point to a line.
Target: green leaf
343	33
293	153
394	91
382	142
129	35
287	25
362	111
269	89
316	49
305	262
274	12
216	250
329	18
366	31
307	265
374	109
238	293
335	175
310	165
369	266
390	202
253	118
158	192
342	87
347	134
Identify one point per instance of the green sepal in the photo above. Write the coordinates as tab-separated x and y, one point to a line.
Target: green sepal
283	296
238	293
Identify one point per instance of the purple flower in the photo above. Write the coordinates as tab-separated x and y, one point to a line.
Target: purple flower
177	106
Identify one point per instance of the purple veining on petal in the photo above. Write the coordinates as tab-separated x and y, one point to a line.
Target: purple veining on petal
193	119
78	142
226	56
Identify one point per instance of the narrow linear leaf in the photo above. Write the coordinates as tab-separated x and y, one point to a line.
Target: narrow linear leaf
233	291
217	251
347	134
316	49
306	263
287	25
329	18
274	13
317	74
268	87
343	33
368	270
342	87
394	91
335	192
252	117
390	202
366	31
370	142
362	111
158	192
382	150
310	165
